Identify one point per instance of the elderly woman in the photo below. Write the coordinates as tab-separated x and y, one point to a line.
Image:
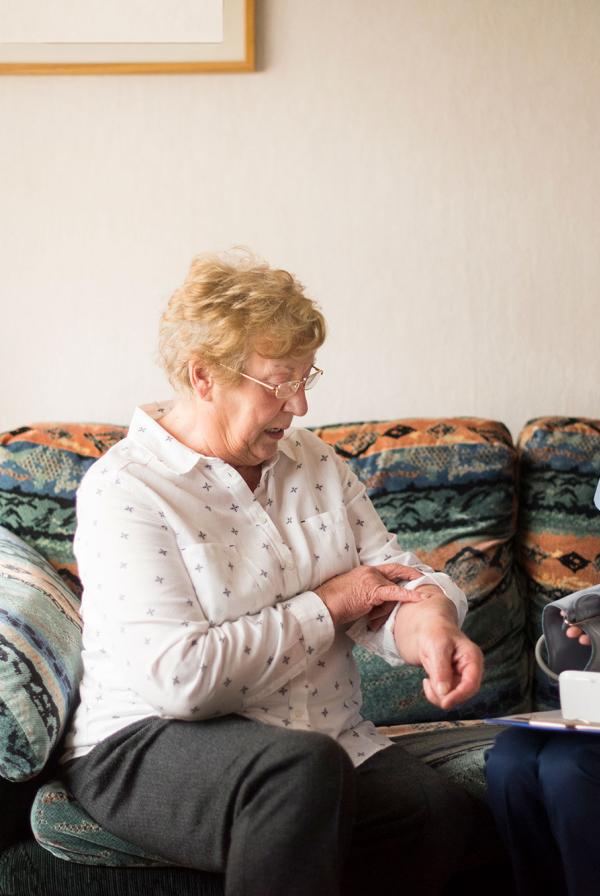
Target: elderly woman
229	563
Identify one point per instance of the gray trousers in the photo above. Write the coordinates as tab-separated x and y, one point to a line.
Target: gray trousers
280	812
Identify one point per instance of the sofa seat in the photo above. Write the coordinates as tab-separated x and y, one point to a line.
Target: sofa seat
27	869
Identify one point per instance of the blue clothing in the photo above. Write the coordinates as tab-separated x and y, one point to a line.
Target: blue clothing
544	790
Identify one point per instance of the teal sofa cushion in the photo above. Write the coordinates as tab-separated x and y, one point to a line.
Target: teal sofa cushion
40	647
64	828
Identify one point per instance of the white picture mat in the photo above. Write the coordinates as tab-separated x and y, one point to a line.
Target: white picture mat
111	21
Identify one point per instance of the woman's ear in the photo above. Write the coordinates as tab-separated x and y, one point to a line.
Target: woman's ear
201	379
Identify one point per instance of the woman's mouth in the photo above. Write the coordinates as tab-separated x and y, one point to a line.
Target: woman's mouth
275	433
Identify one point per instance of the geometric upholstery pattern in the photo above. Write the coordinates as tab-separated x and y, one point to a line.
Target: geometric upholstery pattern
558	547
40	470
40	658
61	826
447	489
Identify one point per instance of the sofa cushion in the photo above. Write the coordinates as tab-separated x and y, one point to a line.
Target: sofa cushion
456	749
40	646
447	489
558	547
64	828
40	469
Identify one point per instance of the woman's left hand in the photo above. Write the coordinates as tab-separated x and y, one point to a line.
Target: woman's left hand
454	665
426	634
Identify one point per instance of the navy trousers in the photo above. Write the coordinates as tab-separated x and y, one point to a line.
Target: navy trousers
544	790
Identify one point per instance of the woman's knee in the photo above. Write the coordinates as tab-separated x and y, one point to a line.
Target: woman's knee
304	784
309	766
310	754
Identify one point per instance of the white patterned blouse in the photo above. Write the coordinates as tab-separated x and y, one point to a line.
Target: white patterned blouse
198	593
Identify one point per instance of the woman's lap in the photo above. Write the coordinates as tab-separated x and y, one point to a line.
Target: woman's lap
157	781
153	783
407	813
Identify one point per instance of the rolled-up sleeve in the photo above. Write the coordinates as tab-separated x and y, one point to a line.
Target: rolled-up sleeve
376	546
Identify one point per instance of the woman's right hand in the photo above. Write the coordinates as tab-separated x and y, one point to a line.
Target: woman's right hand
358	592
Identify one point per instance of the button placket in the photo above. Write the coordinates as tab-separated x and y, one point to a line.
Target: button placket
291	579
271	532
263	501
299	690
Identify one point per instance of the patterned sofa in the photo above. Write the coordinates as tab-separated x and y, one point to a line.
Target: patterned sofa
514	525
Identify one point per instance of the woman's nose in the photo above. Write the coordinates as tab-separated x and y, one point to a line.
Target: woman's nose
297	404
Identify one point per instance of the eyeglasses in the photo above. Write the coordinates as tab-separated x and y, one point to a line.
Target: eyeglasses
284	390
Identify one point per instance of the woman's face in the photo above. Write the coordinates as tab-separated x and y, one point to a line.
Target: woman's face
249	419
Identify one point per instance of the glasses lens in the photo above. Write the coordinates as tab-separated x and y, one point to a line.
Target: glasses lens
312	379
286	390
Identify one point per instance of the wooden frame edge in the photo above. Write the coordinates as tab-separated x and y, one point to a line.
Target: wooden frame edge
146	68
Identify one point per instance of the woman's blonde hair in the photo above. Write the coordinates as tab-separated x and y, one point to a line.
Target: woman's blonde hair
229	306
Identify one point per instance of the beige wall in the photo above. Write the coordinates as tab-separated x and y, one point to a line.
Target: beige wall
429	168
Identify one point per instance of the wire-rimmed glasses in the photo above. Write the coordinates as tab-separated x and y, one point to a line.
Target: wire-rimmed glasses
286	390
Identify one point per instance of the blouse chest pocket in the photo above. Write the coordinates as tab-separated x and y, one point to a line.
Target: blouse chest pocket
331	549
227	584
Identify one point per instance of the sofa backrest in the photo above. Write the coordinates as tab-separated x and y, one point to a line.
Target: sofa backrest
446	487
40	470
558	542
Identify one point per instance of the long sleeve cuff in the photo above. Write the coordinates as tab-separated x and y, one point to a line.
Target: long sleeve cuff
315	621
382	642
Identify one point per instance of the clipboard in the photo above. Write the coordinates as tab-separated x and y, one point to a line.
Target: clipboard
548	720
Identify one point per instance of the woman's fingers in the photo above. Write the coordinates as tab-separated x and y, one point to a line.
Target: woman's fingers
454	669
355	593
378	615
387	591
399	572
